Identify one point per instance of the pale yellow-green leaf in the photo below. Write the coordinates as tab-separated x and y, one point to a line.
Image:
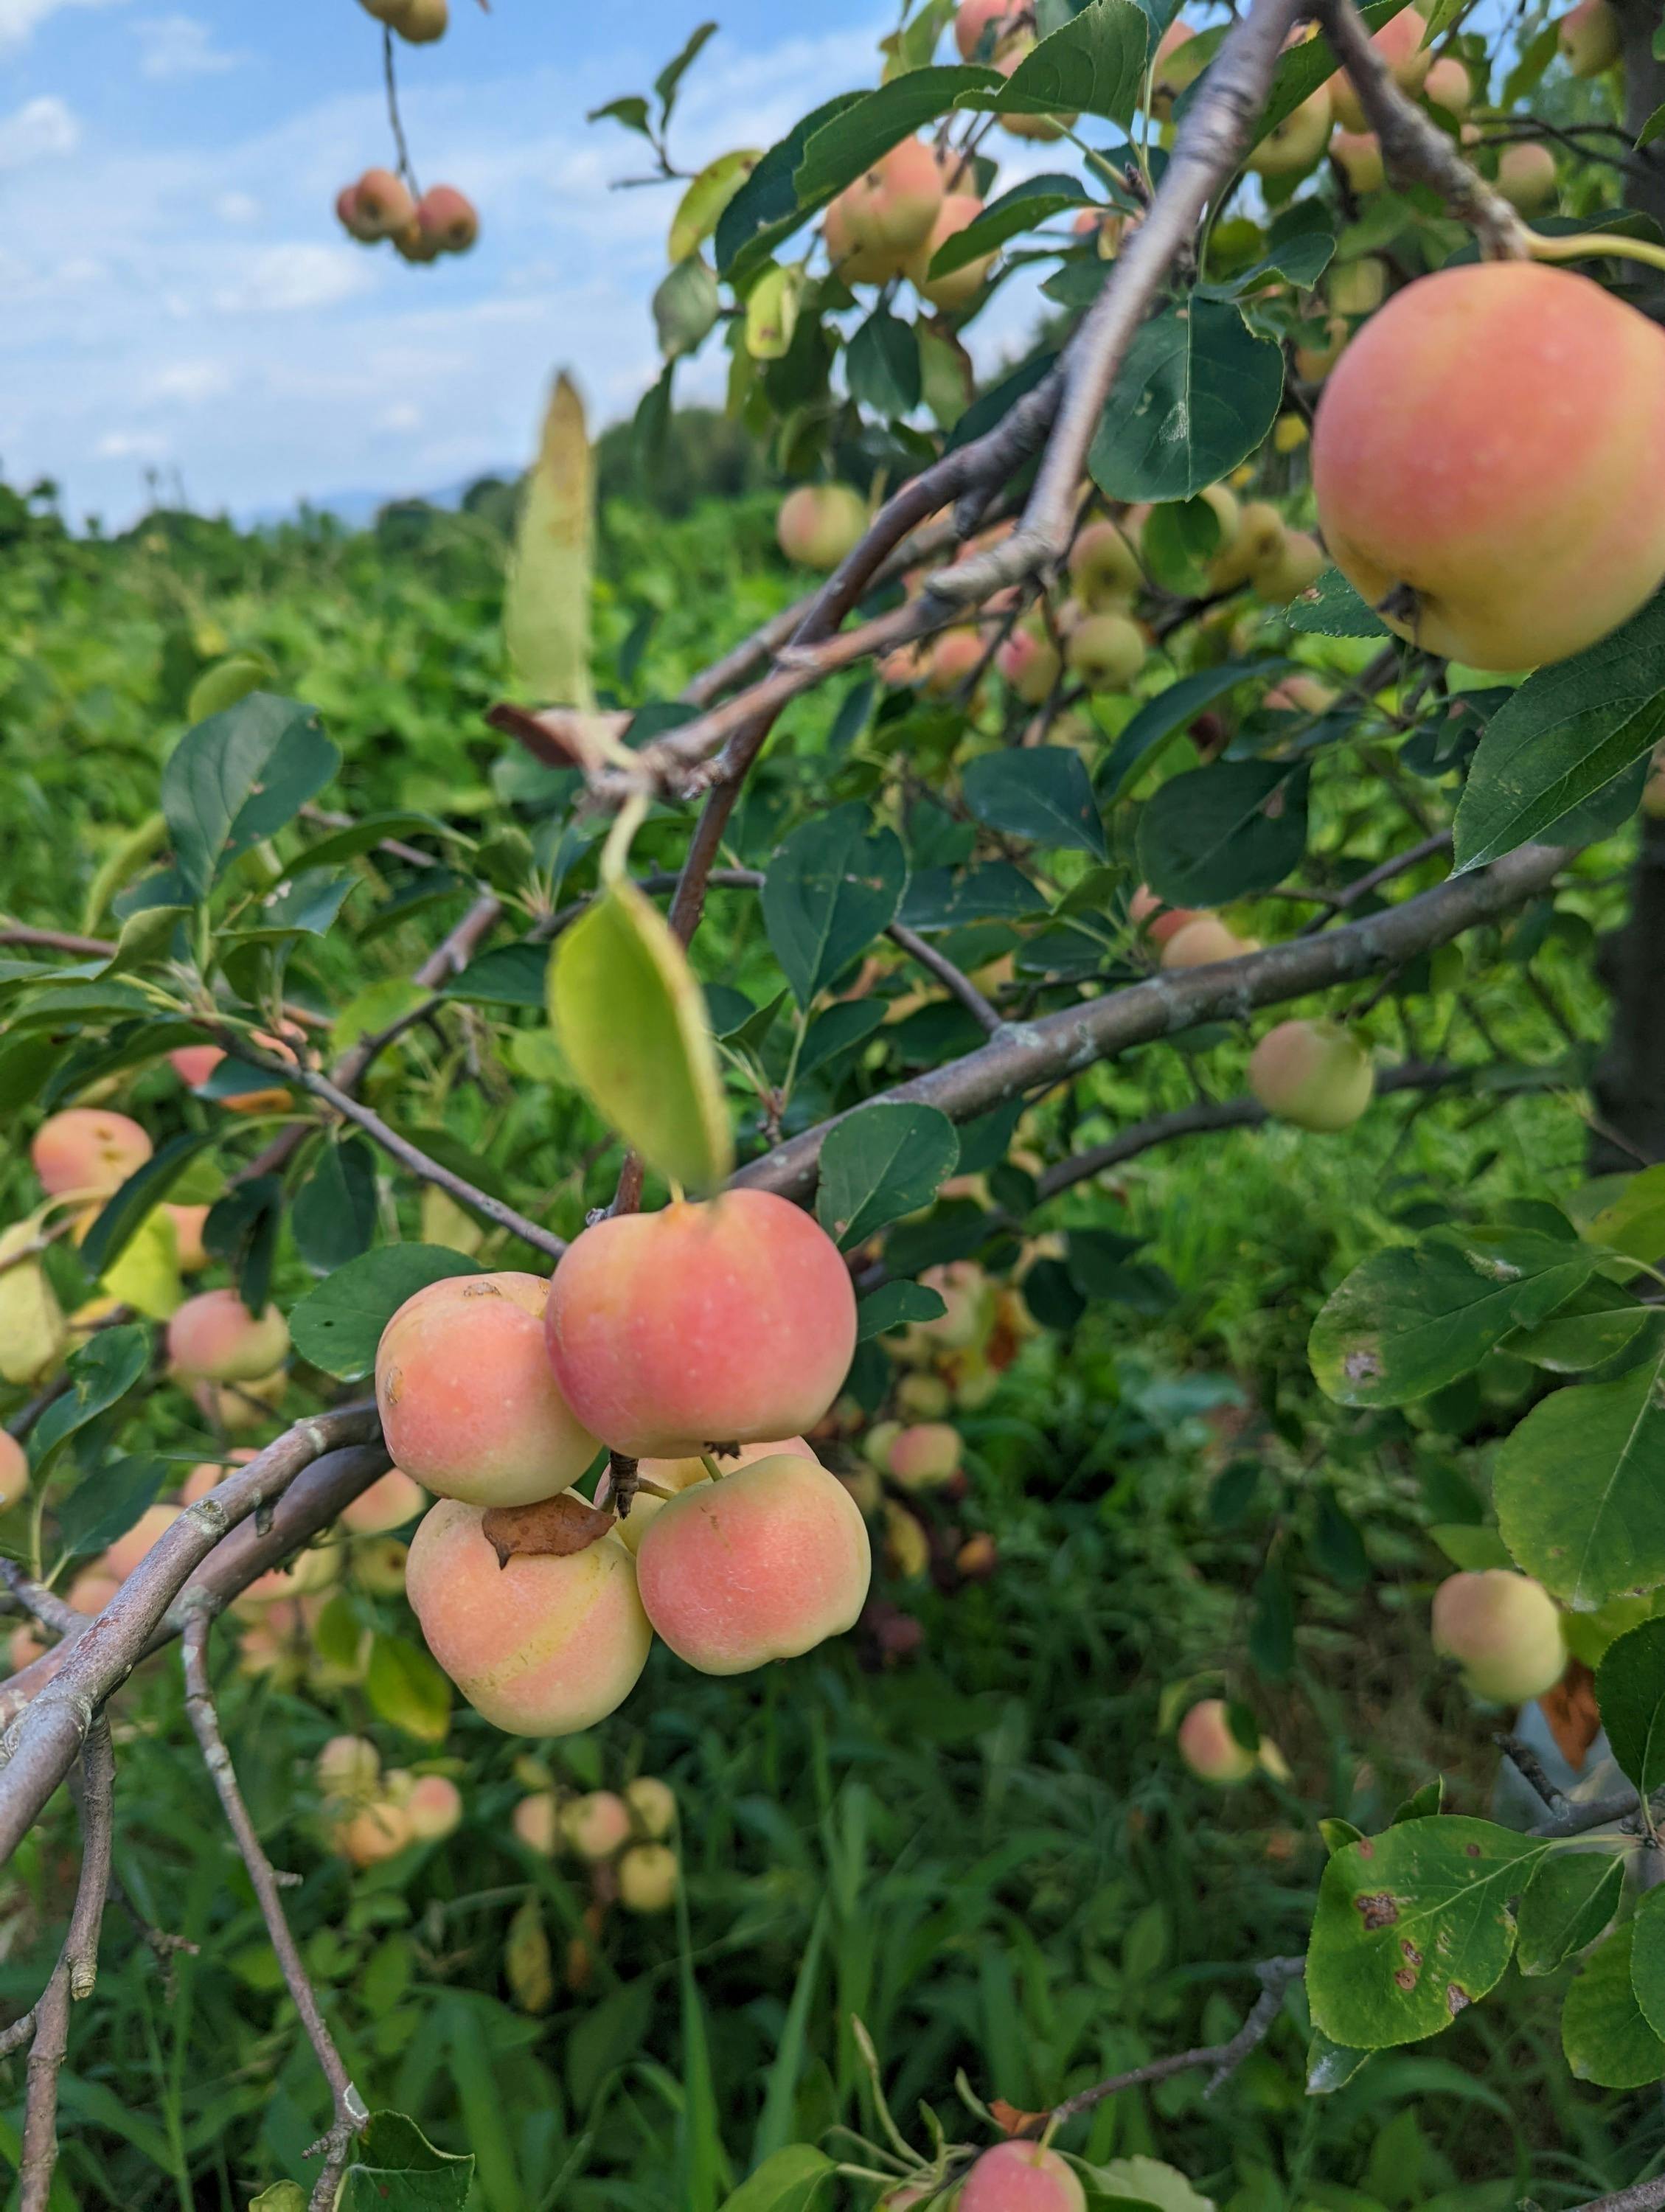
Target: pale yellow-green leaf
772	308
699	210
444	1221
527	1966
631	1020
146	1276
546	607
374	1009
536	1054
32	1330
282	2197
228	681
132	851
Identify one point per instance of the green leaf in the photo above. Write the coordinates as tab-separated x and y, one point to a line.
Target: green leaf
1413	1927
670	76
396	2169
363	836
1302	258
1198	394
1034	201
1093	65
847	1024
240	777
1331	2066
1652	129
1647	1953
1604	2034
1331	608
126	1210
1563	736
1470	1546
1603	1321
685	307
307	906
407	1690
947	898
507	975
1570	1898
882	365
1409	1321
282	2197
1225	831
766	210
893	1305
831	887
880	1163
630	109
1634	1222
1167	713
101	1373
1630	1688
789	2182
546	603
106	1505
334	1213
1042	792
338	1326
838	150
700	207
1577	1487
1140	2181
1306	66
631	1021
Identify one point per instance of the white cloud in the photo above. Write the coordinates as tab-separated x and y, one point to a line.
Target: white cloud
21	19
36	131
192	381
131	446
237	207
288	279
179	46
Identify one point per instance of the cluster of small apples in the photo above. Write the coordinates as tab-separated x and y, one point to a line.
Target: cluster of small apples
698	1342
1504	1631
622	1837
370	1816
896	217
382	206
82	1157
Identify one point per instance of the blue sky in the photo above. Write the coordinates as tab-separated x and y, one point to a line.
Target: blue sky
174	293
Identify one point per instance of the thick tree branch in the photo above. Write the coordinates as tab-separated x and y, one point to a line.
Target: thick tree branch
73	1976
1212	140
1414	149
1645	2197
43	1741
350	2111
1024	1055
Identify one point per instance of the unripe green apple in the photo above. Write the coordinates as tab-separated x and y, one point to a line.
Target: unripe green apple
653	1804
1296	145
1299	562
1358	153
422	21
1257	541
647	1878
1104	568
1448	86
1589	38
819	524
1527	177
1504	1631
1106	651
1312	1073
1359	288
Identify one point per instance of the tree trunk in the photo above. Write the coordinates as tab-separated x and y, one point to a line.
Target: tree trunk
1629	1083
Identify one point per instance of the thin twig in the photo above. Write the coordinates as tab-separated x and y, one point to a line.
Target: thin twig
73	1976
1532	1772
1223	2059
350	2110
390	80
46	1605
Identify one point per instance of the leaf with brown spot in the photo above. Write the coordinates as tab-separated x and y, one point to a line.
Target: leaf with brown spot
553	1529
1436	1890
